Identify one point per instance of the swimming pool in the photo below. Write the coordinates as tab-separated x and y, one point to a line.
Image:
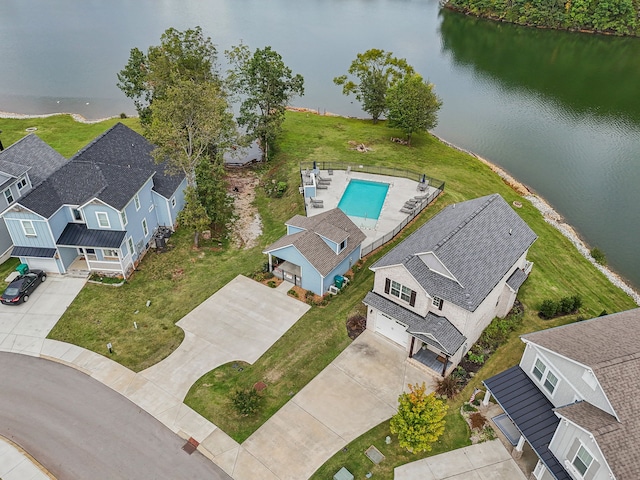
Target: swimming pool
363	199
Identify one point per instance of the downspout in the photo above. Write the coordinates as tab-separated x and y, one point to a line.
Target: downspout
444	365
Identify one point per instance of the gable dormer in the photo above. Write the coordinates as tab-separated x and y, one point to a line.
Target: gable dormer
432	261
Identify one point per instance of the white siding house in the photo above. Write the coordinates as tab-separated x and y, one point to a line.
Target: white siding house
438	290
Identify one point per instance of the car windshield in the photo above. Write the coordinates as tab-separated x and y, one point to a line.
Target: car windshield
11	291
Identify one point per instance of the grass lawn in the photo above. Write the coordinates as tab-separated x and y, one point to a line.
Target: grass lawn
177	281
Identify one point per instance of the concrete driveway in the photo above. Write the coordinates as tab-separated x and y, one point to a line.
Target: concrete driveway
484	461
35	319
356	392
239	322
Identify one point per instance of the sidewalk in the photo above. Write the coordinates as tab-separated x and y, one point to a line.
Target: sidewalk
15	464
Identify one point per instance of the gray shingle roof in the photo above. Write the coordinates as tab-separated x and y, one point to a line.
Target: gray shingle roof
478	241
609	346
112	168
530	411
31	154
78	235
447	337
332	224
516	279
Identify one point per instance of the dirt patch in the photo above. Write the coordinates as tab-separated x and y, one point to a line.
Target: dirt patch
248	225
356	325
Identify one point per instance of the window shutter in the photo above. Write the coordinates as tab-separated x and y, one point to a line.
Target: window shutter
591	472
440	304
573	450
387	285
412	301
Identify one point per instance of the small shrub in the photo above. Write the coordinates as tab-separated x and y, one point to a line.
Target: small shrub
272	284
123	115
292	293
460	373
577	302
549	308
269	275
281	187
467	407
449	386
246	402
309	295
477	358
599	256
566	305
488	433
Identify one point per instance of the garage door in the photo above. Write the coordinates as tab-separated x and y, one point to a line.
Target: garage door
392	329
46	264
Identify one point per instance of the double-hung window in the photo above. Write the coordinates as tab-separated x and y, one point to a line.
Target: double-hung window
145	229
123	216
582	460
437	302
546	377
136	201
8	195
22	183
103	220
28	228
398	290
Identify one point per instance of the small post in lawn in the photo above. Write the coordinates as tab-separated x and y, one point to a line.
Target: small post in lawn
110	347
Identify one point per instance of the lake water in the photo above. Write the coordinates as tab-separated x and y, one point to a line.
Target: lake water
558	111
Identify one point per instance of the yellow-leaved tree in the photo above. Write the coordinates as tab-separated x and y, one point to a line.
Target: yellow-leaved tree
420	419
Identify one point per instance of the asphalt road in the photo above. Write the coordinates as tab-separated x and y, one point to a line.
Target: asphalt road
78	428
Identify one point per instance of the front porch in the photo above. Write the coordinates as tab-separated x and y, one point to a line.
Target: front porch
83	265
434	361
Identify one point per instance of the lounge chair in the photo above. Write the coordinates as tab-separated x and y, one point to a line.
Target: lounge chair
317	205
318	201
410	205
407	210
323	179
421	198
322	186
323	182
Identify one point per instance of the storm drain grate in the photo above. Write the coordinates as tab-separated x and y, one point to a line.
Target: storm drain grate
374	454
191	446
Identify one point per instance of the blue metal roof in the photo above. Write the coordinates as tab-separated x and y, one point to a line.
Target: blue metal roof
530	411
78	235
39	252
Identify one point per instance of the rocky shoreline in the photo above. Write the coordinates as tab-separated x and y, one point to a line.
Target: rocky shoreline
549	214
555	219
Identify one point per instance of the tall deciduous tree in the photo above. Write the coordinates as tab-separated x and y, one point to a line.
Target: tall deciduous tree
266	85
420	419
187	55
375	71
189	121
413	106
212	192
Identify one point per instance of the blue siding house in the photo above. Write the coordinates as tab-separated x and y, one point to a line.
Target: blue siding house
98	211
23	165
316	249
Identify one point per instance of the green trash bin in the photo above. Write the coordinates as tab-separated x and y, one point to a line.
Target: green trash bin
22	269
338	281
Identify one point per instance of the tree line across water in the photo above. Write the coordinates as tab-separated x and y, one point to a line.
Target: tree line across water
619	17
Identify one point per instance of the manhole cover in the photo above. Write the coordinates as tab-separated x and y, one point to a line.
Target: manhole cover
374	454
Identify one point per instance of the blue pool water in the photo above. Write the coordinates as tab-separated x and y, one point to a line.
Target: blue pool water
363	199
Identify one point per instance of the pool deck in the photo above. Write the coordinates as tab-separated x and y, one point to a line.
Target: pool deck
400	190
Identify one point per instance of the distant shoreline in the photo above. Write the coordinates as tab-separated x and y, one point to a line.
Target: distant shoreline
548	213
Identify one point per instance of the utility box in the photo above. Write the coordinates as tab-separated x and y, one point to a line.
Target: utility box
338	281
343	474
22	269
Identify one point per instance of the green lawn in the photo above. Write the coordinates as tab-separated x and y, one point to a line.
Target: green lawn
177	281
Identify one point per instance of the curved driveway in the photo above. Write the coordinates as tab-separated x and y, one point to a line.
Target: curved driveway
78	428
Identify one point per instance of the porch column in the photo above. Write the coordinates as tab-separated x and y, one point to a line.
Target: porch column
516	453
413	341
487	397
444	365
270	263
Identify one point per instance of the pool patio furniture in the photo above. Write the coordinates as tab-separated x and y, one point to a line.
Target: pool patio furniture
407	210
421	198
322	186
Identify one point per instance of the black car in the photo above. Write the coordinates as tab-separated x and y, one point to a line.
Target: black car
22	286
